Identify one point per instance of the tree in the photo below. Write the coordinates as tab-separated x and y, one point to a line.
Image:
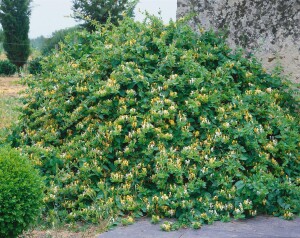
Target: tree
102	10
14	17
1	35
38	42
1	40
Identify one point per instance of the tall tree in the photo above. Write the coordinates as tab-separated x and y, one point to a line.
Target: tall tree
101	10
1	35
14	17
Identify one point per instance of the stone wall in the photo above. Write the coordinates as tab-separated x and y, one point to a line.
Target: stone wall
268	28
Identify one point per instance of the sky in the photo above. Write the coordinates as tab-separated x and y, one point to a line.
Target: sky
48	16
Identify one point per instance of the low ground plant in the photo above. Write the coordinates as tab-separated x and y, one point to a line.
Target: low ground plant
152	119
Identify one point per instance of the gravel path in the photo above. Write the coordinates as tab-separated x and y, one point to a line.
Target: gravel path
259	227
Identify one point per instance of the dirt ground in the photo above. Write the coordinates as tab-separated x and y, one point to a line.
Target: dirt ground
10	86
90	233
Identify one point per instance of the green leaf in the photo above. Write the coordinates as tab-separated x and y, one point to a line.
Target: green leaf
239	184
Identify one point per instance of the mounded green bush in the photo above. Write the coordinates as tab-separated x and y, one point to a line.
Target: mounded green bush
35	66
21	193
7	68
153	119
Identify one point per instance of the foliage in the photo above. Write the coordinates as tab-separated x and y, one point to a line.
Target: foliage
1	35
21	193
7	68
56	38
9	114
153	119
14	17
102	10
38	42
35	65
1	40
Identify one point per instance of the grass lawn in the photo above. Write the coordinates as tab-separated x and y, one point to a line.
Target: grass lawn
8	114
9	102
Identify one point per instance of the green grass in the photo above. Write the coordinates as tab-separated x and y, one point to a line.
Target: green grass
8	114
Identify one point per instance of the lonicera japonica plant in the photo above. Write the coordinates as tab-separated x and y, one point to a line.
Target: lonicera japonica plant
153	119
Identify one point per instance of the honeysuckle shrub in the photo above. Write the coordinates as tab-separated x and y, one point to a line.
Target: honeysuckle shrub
21	193
152	119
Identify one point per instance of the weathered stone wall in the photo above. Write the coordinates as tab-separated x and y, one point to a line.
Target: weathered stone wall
268	28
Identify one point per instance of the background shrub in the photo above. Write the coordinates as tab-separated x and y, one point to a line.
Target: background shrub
55	39
144	118
7	68
35	66
21	192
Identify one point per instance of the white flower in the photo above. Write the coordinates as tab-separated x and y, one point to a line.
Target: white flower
164	197
269	90
226	125
237	211
192	81
108	46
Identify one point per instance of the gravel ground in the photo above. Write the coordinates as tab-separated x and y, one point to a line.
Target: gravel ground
259	227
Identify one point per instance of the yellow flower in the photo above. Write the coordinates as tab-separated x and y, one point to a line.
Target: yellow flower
130	219
166	226
155	199
248	74
155	219
132	42
196	225
164	197
288	215
202	29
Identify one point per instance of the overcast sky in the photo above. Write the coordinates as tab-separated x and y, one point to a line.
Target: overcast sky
51	15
